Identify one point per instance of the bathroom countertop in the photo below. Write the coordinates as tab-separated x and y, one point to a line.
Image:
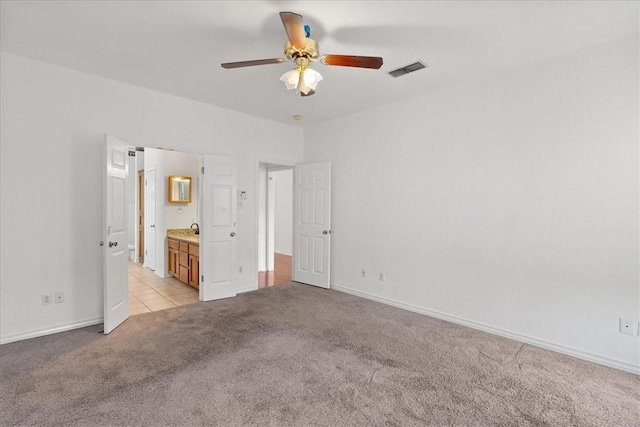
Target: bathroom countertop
184	234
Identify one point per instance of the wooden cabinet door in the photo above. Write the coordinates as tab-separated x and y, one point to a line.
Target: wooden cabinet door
194	271
173	256
170	262
183	276
173	262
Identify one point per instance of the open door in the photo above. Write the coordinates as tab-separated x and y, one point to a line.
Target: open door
218	228
150	218
312	224
116	301
140	213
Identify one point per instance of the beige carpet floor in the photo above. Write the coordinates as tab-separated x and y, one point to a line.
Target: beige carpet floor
296	355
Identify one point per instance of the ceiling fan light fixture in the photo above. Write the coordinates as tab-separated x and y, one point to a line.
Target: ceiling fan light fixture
303	79
302	50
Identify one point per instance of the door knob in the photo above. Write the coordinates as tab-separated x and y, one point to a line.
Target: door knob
152	226
232	234
111	244
326	231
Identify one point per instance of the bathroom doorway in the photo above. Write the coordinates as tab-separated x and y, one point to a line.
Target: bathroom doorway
151	286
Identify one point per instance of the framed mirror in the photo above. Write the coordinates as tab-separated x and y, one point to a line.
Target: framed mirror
179	189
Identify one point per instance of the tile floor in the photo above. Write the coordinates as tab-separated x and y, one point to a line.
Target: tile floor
148	292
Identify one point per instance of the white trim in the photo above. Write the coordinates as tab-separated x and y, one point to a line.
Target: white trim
283	253
53	330
580	354
246	288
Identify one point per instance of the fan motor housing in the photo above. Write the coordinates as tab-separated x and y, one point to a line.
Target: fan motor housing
310	51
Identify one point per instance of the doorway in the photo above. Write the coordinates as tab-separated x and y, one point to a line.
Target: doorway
275	224
151	287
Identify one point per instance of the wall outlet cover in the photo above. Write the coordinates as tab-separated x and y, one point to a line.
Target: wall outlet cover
626	326
47	299
59	297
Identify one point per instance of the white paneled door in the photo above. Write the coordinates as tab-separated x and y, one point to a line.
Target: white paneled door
116	302
312	223
218	228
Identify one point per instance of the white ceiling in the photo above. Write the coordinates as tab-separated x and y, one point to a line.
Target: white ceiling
177	46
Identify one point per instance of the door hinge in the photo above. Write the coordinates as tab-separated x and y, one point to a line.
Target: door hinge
202	277
202	169
145	252
145	182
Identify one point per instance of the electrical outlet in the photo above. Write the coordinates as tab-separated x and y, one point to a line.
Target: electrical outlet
363	273
240	269
59	297
381	277
626	326
46	299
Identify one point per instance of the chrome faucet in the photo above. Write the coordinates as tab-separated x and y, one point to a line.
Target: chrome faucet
197	227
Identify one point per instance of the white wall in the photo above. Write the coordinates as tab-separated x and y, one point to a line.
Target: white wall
184	164
509	203
283	233
131	200
53	126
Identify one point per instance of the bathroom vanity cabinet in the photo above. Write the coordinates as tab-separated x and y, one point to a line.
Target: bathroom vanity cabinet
184	259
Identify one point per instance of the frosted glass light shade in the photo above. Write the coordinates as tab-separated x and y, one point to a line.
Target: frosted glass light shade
305	81
290	79
309	79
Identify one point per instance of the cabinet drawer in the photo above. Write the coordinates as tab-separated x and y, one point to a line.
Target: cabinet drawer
184	274
194	250
184	259
184	247
173	244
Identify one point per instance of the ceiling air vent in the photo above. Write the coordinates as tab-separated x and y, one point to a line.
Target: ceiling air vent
408	69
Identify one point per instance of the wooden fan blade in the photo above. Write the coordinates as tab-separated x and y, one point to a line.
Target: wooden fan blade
352	61
294	27
240	64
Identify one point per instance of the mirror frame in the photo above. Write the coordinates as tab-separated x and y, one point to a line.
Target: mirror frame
173	178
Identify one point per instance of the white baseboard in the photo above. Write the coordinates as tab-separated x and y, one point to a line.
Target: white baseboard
246	288
50	330
580	354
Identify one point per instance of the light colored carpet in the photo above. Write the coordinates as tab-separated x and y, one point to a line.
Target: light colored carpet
297	355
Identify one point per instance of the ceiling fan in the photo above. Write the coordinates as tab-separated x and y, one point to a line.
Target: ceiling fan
303	50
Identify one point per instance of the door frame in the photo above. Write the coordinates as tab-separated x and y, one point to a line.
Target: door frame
155	219
280	164
140	214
